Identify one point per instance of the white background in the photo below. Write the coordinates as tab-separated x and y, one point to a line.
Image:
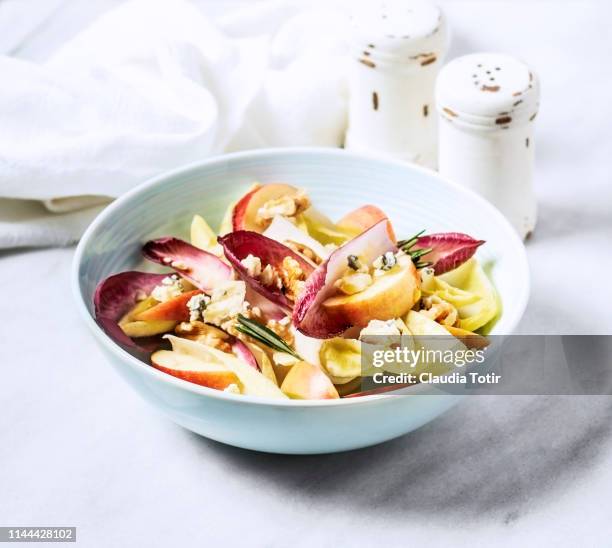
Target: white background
78	448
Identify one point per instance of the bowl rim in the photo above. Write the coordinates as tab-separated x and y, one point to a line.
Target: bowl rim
161	179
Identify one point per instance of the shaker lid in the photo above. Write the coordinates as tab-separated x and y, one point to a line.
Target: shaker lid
487	89
400	30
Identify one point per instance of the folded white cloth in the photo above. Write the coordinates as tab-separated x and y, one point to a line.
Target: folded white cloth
18	22
27	223
155	84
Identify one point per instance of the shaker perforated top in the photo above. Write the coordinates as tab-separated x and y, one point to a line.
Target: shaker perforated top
405	31
487	89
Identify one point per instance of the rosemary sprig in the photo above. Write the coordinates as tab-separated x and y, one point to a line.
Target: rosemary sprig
415	254
264	335
410	241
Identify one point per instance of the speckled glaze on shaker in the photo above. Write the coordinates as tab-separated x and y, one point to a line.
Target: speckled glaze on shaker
396	51
487	104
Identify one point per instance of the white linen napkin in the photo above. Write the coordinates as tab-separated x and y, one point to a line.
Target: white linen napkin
150	86
18	21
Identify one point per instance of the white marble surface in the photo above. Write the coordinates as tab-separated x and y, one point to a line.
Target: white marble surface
79	448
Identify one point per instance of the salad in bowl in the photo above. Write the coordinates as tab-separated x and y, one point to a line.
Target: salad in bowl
277	303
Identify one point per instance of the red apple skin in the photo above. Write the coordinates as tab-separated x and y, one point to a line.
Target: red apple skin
388	297
362	218
219	379
245	211
306	381
240	210
175	309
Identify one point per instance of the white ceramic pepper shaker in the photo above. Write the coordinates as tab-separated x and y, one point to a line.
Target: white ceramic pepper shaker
487	104
397	48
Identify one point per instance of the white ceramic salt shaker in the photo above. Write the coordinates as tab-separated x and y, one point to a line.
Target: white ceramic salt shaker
487	104
397	48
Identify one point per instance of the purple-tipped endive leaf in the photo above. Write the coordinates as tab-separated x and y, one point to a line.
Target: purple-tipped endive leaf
309	316
449	250
268	309
117	295
242	243
202	269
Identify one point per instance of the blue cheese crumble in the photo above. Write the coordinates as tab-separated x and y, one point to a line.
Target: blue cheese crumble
226	302
197	305
171	287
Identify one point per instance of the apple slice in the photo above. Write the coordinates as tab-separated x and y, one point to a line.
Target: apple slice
253	383
194	370
359	220
308	382
136	329
140	329
210	335
309	315
389	297
245	211
173	309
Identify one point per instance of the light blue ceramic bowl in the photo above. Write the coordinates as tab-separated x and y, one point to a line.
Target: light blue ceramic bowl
337	182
